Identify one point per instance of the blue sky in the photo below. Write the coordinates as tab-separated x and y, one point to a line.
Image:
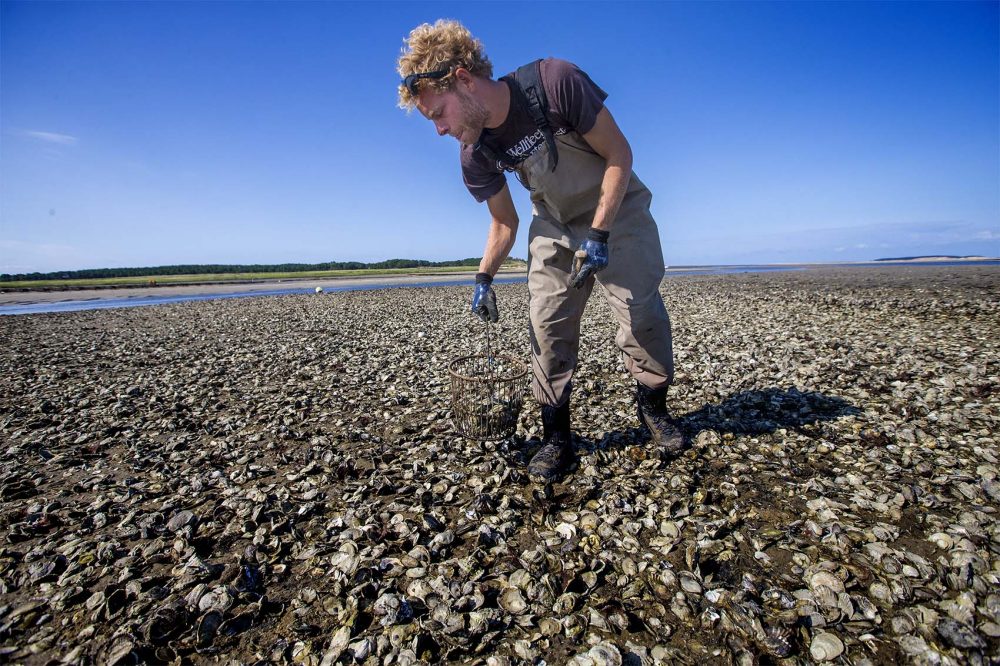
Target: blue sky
135	134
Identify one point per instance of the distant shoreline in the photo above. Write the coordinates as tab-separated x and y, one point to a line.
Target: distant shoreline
11	301
418	276
68	286
833	264
50	295
198	279
936	257
152	283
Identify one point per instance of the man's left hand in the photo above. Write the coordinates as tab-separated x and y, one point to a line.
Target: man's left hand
596	247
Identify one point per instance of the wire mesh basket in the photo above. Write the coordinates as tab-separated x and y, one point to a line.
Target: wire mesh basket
486	395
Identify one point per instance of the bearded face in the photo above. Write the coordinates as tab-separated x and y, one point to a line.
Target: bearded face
474	115
455	112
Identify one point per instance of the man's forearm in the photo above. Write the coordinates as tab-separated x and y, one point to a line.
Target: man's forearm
498	245
616	179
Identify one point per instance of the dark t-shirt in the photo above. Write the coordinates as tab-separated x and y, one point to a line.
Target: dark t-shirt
574	102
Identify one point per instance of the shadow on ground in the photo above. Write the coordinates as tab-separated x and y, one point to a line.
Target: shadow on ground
766	410
755	412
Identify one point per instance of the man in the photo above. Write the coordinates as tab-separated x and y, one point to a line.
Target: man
563	144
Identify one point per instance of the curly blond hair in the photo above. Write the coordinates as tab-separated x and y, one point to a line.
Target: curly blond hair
445	45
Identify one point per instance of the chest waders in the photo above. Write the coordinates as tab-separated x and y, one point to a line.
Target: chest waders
565	177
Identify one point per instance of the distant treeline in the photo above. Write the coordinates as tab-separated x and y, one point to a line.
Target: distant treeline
201	269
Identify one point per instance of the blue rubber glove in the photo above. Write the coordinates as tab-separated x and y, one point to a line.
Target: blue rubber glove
596	247
484	299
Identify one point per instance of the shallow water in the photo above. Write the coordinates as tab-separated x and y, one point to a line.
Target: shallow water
137	301
131	302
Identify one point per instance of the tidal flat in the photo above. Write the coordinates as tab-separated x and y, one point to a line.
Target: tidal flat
276	480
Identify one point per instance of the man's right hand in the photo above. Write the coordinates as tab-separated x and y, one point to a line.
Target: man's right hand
484	300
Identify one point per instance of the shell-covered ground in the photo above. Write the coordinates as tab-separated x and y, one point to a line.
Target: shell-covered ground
276	480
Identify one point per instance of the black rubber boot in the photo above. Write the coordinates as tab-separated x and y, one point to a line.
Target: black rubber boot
654	415
556	453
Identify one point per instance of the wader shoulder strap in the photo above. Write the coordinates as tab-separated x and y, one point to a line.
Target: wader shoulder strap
493	156
529	81
527	86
